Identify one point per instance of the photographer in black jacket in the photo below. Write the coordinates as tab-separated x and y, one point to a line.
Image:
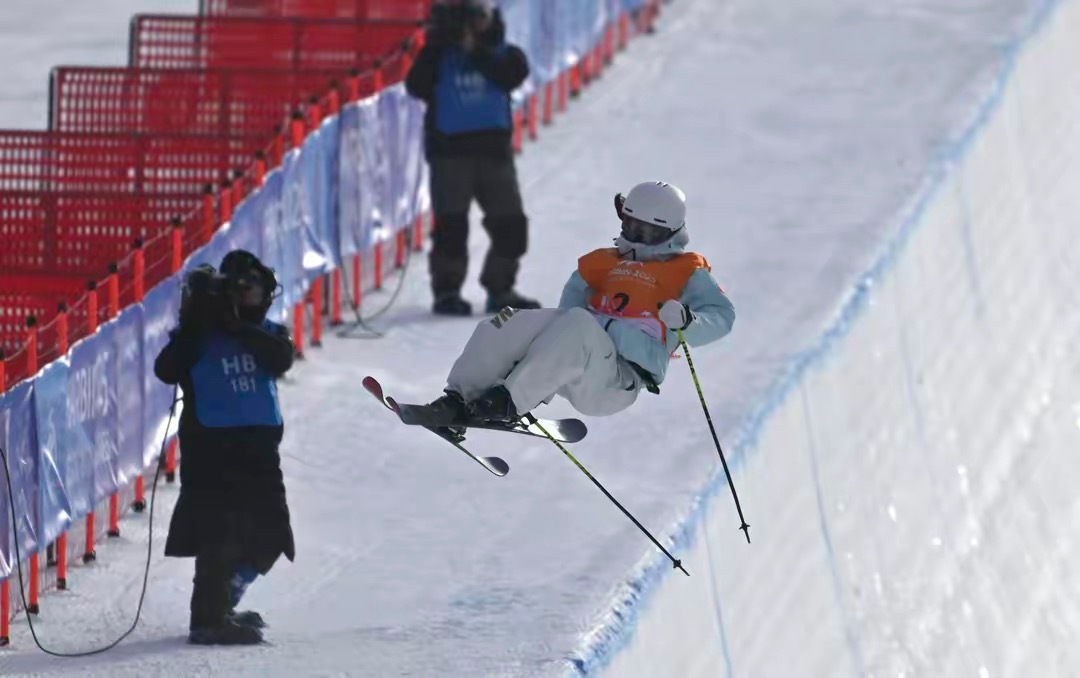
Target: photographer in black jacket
232	515
465	74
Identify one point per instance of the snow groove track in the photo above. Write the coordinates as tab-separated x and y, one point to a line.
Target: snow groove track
798	129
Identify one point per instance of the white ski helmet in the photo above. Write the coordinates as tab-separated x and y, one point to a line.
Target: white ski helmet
654	221
658	203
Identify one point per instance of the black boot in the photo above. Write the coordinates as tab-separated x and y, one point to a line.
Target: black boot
226	632
452	305
497	302
495	405
447	410
247	618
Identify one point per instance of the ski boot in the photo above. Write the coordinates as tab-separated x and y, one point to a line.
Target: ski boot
494	406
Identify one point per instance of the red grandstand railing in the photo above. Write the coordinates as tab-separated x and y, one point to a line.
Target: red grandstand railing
345	9
115	102
180	41
122	163
216	102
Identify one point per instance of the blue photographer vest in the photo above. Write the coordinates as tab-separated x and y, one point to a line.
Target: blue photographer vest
230	387
466	101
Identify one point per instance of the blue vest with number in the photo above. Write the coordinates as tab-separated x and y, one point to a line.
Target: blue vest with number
230	387
466	101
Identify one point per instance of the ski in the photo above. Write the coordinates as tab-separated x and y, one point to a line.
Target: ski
564	430
494	465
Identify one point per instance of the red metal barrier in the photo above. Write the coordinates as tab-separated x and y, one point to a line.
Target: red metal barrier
188	101
162	163
180	41
345	9
341	9
79	232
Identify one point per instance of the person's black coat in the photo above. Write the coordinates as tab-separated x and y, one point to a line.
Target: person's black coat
507	70
231	486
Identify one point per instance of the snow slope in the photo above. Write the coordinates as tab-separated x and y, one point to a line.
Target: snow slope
799	131
913	480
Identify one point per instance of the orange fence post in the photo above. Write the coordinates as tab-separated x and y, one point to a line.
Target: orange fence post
279	148
296	129
549	103
316	311
114	310
564	87
61	541
298	329
399	248
335	298
333	100
354	87
534	109
357	290
138	275
32	367
237	188
378	265
225	197
518	135
260	168
418	234
92	317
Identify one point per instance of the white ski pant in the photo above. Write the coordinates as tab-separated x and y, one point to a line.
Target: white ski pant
540	353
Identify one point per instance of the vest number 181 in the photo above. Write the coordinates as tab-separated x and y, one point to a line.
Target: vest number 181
243	385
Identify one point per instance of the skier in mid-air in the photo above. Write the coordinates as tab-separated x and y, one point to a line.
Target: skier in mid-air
612	334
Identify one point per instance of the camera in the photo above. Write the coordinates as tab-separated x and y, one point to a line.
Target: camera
449	20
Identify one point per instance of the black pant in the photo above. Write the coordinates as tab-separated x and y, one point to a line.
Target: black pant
216	563
493	183
211	597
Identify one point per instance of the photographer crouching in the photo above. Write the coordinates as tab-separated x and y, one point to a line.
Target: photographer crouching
231	515
465	74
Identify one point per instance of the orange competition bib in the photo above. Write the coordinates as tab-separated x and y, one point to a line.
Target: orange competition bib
634	290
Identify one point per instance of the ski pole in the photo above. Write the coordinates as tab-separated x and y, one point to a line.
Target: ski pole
701	396
677	563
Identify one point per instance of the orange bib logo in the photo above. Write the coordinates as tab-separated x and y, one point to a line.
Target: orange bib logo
634	290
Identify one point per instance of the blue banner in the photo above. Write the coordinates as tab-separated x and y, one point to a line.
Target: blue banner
91	393
65	468
18	435
128	377
290	231
364	171
160	310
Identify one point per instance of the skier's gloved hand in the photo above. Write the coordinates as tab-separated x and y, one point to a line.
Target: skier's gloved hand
676	315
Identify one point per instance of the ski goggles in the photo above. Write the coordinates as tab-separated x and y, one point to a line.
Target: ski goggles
644	233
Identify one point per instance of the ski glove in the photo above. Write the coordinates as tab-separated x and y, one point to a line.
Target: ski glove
676	315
